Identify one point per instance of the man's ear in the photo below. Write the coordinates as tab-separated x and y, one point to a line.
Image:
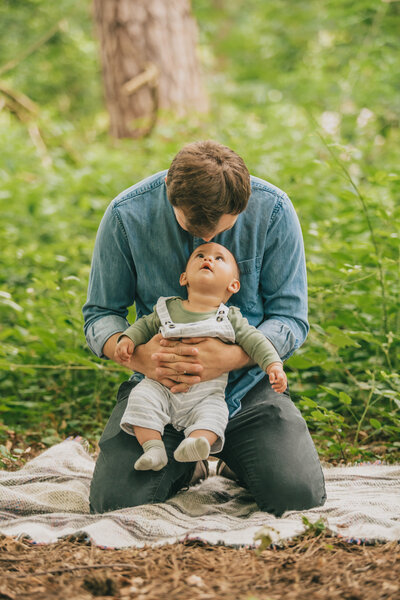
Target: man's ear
234	286
183	279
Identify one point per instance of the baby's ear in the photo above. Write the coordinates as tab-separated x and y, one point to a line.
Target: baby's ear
234	286
183	279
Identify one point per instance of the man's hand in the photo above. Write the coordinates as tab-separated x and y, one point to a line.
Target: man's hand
183	361
205	358
277	377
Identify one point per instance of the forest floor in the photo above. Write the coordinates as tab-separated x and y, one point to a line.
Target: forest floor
310	567
322	568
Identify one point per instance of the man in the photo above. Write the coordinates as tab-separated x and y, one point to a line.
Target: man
143	243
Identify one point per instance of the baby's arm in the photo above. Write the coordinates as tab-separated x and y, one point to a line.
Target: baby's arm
277	377
139	333
124	349
260	349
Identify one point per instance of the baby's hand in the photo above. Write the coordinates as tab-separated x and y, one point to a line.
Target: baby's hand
124	349
277	377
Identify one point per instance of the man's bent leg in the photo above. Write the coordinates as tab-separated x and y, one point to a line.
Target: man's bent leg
116	484
268	446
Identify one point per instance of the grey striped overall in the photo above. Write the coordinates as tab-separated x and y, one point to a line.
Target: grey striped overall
152	405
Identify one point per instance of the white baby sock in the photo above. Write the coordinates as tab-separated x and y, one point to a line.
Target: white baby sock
154	457
192	449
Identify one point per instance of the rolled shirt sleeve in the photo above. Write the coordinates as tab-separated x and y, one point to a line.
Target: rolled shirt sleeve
284	281
112	283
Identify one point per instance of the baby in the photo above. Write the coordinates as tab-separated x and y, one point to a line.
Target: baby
211	277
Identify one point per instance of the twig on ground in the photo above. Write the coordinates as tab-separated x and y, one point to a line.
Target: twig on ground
77	568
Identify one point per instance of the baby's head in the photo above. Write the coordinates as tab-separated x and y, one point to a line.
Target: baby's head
211	269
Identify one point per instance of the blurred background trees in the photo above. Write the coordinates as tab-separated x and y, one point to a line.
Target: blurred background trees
307	93
148	51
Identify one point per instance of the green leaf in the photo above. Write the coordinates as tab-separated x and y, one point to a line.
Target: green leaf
308	402
375	424
317	414
344	398
339	338
329	391
298	362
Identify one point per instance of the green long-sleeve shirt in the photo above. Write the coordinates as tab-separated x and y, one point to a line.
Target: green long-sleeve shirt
253	342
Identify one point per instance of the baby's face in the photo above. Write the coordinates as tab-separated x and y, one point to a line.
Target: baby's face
212	266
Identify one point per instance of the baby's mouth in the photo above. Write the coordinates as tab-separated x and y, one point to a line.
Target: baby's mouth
206	267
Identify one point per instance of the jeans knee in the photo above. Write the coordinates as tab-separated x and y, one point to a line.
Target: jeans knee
291	493
107	498
284	472
116	484
281	409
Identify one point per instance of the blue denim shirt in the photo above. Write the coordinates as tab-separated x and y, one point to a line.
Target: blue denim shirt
141	250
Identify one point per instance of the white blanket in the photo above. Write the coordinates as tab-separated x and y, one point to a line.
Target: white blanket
48	499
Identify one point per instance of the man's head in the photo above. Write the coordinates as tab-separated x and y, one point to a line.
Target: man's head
208	185
212	269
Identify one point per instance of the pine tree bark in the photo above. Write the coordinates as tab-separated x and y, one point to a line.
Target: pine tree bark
148	52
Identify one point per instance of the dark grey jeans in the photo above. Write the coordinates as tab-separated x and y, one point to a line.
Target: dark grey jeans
267	445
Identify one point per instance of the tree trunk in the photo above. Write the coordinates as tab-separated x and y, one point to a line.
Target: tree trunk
148	51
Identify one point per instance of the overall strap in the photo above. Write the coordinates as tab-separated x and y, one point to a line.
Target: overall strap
163	314
222	312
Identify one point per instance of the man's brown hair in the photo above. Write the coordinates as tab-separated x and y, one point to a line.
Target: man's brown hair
208	180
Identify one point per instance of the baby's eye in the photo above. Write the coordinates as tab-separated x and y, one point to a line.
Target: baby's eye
200	255
219	258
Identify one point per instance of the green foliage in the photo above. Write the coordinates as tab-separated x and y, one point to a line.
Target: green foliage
63	74
314	529
11	458
267	536
307	94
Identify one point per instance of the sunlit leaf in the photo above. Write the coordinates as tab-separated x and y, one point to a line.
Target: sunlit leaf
344	398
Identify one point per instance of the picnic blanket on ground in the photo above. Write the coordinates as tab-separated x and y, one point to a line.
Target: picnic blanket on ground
48	499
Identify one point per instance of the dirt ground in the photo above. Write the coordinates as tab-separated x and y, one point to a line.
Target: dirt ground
322	568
